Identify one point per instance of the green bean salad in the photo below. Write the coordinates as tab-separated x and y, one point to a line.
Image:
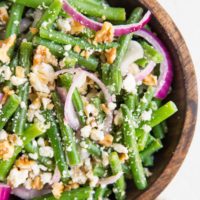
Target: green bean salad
82	86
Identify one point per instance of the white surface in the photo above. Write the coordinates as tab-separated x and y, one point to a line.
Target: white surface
186	184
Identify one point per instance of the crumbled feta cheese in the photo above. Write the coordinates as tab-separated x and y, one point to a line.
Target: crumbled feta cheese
120	148
3	135
46	151
97	135
33	156
5	72
46	177
105	159
129	84
93	179
45	102
146	115
64	24
68	47
84	154
17	81
41	142
35	169
28	184
23	104
146	128
85	131
78	176
17	177
91	109
112	106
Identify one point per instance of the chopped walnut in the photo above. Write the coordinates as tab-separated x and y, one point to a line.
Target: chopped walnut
123	157
86	54
105	108
33	30
20	72
107	141
71	186
43	55
3	16
24	163
77	49
111	55
6	150
150	80
106	34
7	92
37	183
5	45
76	28
58	189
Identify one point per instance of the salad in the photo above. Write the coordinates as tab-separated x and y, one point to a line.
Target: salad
81	99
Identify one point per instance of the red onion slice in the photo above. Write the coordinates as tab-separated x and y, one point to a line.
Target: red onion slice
1	96
166	71
145	72
26	194
4	191
110	180
68	103
56	176
118	30
62	93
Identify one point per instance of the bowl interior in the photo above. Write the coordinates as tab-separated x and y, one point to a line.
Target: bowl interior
178	95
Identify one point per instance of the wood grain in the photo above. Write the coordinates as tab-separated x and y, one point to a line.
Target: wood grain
184	94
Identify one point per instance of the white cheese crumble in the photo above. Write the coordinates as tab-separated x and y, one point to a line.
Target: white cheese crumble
64	24
97	135
85	131
146	115
120	148
5	72
129	84
146	128
112	106
3	135
17	80
46	151
46	177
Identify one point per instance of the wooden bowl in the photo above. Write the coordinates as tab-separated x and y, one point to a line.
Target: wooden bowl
184	94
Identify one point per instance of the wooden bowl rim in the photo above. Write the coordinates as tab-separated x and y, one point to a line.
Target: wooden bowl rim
191	102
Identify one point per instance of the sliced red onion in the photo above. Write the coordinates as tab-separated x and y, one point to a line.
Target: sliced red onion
4	191
26	194
166	71
118	30
56	176
111	179
145	72
62	93
69	110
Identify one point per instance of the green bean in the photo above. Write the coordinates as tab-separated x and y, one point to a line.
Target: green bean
151	53
93	148
91	63
34	3
83	193
142	140
142	62
119	186
66	81
8	109
95	10
68	137
99	170
151	149
146	99
29	134
14	20
158	132
101	193
105	73
116	77
49	17
148	161
54	137
131	144
131	100
65	39
19	118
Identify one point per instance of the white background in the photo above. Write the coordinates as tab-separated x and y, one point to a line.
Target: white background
186	184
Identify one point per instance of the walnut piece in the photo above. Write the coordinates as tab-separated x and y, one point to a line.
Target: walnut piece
111	55
6	150
58	189
3	16
106	34
76	28
37	183
107	141
150	80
